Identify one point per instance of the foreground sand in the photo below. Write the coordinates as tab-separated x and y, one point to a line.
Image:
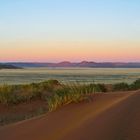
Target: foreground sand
107	117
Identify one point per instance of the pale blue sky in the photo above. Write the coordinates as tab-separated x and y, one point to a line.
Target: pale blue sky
70	19
73	30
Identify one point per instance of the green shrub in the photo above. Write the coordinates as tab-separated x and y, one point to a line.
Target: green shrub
135	85
120	87
100	88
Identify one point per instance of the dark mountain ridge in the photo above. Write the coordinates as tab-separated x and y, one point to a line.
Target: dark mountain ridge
88	64
8	66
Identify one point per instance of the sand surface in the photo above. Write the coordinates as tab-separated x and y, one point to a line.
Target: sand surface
112	116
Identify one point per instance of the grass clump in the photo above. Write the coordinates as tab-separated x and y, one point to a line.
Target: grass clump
71	93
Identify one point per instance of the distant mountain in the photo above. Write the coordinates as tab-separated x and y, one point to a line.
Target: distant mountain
80	64
8	66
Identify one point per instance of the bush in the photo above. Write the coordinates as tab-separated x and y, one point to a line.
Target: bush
101	88
121	87
135	85
12	94
8	95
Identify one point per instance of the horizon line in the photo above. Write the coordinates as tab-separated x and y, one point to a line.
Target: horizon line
70	61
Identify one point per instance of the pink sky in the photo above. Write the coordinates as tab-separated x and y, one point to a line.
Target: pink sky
55	51
69	30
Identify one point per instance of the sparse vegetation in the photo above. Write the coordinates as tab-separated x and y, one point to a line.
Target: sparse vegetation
52	91
52	95
71	93
56	94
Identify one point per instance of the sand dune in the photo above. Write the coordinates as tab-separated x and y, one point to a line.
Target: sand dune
113	116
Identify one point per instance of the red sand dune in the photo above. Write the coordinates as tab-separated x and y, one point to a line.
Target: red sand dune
113	116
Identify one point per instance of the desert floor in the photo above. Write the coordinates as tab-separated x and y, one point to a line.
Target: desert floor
110	116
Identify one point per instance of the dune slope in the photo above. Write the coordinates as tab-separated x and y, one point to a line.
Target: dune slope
107	117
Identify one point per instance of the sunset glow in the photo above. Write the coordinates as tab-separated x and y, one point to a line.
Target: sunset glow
52	31
71	51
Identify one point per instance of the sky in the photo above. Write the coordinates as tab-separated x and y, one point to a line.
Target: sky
70	30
